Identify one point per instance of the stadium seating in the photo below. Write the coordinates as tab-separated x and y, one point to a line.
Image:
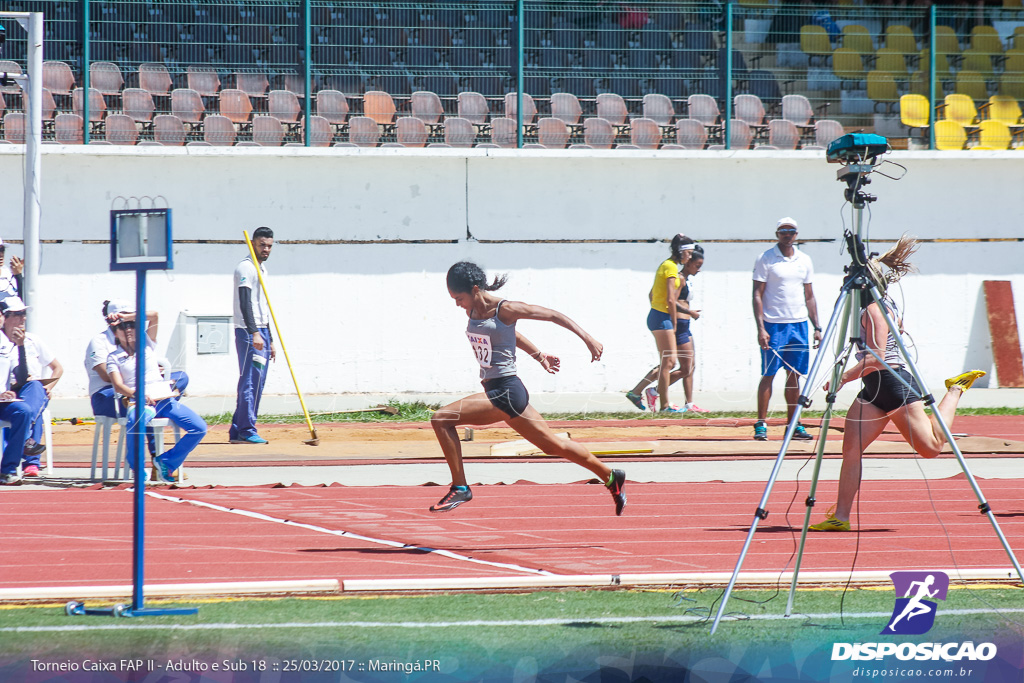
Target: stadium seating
67	129
914	111
658	108
459	132
138	104
503	131
612	108
218	130
187	105
472	106
691	134
645	133
97	107
121	129
411	132
993	135
267	131
363	131
552	133
320	131
949	135
168	129
284	106
235	105
783	134
827	130
598	133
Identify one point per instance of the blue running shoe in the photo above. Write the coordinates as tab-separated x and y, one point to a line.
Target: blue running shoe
760	431
801	434
163	473
254	439
636	399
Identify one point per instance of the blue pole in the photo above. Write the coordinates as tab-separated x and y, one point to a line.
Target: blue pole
521	62
307	67
932	89
85	70
138	433
728	76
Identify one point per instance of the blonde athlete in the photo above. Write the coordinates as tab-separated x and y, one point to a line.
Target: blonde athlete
492	334
883	397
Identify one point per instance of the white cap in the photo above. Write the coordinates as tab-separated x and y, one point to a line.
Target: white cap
120	306
786	221
12	304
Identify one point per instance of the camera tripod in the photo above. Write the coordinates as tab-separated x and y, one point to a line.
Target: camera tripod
845	320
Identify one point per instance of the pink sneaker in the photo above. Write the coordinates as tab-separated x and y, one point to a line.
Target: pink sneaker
651	396
30	471
694	408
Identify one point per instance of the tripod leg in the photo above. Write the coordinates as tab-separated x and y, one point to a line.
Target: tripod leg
837	373
929	401
762	512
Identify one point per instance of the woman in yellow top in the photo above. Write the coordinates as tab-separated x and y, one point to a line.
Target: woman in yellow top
661	321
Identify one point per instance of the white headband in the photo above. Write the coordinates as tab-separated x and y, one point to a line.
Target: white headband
687	246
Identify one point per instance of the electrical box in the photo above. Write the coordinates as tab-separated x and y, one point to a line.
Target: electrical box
213	335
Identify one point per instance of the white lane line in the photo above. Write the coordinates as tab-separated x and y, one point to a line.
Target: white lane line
478	623
348	534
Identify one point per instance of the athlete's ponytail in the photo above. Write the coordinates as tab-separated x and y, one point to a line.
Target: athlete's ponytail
465	275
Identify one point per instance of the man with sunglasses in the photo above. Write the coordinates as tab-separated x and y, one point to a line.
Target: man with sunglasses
783	302
22	360
10	276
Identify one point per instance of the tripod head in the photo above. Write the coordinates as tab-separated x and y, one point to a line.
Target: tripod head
859	153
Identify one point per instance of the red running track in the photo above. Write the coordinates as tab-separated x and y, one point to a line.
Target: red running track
76	537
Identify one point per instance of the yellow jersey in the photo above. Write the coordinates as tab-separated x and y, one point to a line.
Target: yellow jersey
669	269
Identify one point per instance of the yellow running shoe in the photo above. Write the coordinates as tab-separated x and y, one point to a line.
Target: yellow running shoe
830	524
965	380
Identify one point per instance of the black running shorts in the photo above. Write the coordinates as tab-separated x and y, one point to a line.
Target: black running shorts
507	394
885	392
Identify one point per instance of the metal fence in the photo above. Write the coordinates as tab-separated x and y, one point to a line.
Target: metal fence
594	74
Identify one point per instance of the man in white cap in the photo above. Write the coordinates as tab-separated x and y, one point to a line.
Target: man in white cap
26	359
783	303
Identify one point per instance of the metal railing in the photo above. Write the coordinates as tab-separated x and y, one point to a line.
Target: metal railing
598	74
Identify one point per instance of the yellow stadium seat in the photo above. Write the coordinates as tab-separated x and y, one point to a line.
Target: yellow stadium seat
1017	42
814	41
972	83
1012	85
857	38
1014	61
942	70
919	84
914	111
976	60
993	135
901	39
960	108
892	62
1004	109
882	89
949	135
847	65
1013	4
946	41
986	39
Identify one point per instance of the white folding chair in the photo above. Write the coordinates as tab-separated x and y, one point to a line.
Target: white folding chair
104	425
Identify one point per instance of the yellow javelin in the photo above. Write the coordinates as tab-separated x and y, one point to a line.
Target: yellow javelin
314	441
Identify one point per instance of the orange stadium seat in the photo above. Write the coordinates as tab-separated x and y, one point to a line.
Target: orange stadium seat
459	132
67	129
645	133
783	134
598	133
612	108
138	104
187	105
218	130
691	134
659	108
267	131
411	132
552	133
121	129
168	129
472	106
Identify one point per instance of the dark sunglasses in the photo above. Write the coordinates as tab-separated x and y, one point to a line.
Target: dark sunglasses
3	249
127	324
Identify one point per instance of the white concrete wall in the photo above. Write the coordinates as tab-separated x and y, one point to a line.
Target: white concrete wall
376	317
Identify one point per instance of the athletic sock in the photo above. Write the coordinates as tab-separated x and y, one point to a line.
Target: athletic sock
611	479
460	488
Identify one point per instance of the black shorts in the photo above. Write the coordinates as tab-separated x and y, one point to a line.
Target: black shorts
885	392
507	394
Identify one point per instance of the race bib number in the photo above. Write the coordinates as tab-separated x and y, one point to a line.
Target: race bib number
481	348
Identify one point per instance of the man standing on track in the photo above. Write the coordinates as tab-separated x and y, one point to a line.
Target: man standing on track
253	342
783	302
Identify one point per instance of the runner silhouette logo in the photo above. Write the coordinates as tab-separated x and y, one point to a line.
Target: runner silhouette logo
914	612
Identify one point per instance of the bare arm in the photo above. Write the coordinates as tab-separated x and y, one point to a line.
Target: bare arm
119	386
101	370
758	301
56	372
672	296
512	311
152	323
548	361
812	312
876	333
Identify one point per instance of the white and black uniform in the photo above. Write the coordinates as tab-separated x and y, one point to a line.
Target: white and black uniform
881	388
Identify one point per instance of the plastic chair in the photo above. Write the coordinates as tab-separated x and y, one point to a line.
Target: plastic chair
645	133
1003	109
848	67
901	39
58	78
121	130
138	104
598	133
67	129
612	108
106	77
97	106
426	106
783	134
691	134
914	111
411	132
740	134
960	108
552	133
503	132
320	132
218	130
993	135
235	105
103	427
472	106
529	107
283	105
974	60
169	130
949	135
187	105
856	37
14	127
566	108
972	84
204	80
267	131
363	131
157	424
333	106
459	132
750	109
827	130
892	62
379	106
659	108
815	43
882	90
155	78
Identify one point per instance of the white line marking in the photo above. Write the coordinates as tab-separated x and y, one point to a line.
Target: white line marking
349	534
477	623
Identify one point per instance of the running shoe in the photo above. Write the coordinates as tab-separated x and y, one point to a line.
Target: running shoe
964	380
830	524
457	495
253	439
800	434
760	431
30	471
33	447
651	396
636	399
694	408
615	484
672	409
163	473
11	479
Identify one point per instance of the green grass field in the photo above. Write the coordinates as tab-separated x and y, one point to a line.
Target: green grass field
478	628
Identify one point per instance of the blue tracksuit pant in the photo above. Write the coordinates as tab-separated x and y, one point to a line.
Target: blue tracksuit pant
19	414
251	378
179	414
33	395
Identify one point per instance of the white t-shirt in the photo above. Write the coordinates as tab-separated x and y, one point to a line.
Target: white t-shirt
99	349
245	276
8	285
156	386
37	355
784	279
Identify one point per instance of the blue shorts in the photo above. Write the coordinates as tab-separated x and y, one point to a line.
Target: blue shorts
508	394
656	320
682	331
787	345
